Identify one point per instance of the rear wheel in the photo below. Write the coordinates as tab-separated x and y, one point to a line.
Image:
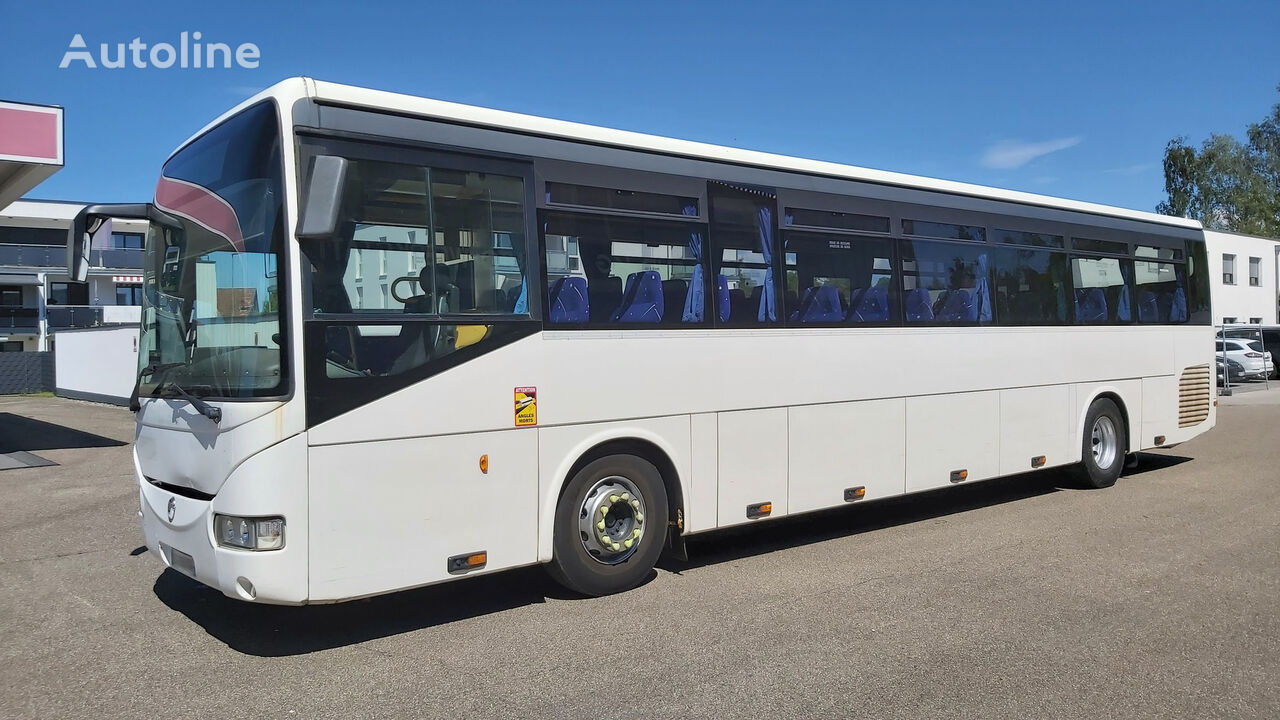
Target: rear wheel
1104	445
609	526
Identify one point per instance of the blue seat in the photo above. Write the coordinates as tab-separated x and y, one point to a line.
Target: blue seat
871	305
919	306
1091	306
723	306
1148	308
820	305
958	306
642	301
567	301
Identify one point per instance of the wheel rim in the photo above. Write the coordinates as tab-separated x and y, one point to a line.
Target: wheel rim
1105	445
611	521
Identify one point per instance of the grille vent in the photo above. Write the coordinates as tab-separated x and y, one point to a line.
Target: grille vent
1193	396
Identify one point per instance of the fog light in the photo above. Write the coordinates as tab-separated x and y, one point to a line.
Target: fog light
249	533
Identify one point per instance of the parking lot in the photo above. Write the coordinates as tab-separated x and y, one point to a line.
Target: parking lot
1017	598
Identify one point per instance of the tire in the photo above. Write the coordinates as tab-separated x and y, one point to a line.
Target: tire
1103	447
627	495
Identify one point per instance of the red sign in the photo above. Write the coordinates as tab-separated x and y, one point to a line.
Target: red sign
29	133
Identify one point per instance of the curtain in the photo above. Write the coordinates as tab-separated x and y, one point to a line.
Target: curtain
695	300
768	303
1123	314
982	290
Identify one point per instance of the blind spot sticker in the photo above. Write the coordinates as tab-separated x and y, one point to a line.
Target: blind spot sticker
526	406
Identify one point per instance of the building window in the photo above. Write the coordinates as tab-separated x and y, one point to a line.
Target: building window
1229	320
128	241
11	295
1255	272
11	346
68	293
1228	269
1255	321
128	294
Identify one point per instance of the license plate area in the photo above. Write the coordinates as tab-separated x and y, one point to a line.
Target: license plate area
179	560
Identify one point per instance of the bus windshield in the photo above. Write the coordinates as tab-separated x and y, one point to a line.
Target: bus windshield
211	292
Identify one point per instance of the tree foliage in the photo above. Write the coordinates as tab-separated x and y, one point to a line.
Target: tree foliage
1227	184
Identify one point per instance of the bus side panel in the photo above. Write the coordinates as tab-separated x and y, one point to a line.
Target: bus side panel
844	445
388	515
753	463
704	481
1159	410
1035	422
559	448
950	433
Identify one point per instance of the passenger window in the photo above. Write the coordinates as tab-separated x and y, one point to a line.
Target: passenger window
419	248
1014	237
839	279
1032	287
424	241
614	270
946	231
742	227
946	283
1161	292
1102	290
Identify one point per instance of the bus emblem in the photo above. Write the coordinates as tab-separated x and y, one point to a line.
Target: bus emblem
526	406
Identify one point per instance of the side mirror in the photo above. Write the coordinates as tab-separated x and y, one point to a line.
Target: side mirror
322	204
94	221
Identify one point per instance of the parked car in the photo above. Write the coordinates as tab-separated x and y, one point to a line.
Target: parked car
1249	353
1229	366
1270	335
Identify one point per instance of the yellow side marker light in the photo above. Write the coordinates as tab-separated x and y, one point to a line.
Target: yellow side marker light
759	510
959	475
465	563
484	464
1038	461
1159	439
854	493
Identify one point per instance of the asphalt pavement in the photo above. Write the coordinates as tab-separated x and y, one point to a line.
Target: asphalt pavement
1017	598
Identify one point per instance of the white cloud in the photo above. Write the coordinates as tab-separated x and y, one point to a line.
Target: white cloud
1010	154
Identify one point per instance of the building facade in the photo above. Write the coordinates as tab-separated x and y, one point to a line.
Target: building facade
38	298
1245	288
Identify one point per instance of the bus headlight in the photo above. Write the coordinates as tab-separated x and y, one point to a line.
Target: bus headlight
249	533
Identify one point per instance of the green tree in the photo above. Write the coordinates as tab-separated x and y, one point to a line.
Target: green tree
1227	184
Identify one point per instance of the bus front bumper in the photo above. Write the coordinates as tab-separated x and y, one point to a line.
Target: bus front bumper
179	530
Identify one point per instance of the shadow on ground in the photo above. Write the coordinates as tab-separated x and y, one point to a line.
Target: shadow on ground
24	433
271	631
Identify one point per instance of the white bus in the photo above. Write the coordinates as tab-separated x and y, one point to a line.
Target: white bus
390	341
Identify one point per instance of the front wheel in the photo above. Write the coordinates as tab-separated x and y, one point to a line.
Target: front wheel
609	526
1104	446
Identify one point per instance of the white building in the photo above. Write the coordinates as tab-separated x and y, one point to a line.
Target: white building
1245	288
37	298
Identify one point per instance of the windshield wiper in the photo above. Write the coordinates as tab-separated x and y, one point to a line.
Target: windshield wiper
171	389
154	368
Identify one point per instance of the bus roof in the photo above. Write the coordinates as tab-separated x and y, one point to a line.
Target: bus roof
292	89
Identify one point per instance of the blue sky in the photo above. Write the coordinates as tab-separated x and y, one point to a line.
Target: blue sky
1072	99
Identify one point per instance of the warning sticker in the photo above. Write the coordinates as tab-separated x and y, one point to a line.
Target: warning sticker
526	406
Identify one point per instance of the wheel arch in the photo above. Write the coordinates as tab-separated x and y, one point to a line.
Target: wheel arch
640	443
1113	394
